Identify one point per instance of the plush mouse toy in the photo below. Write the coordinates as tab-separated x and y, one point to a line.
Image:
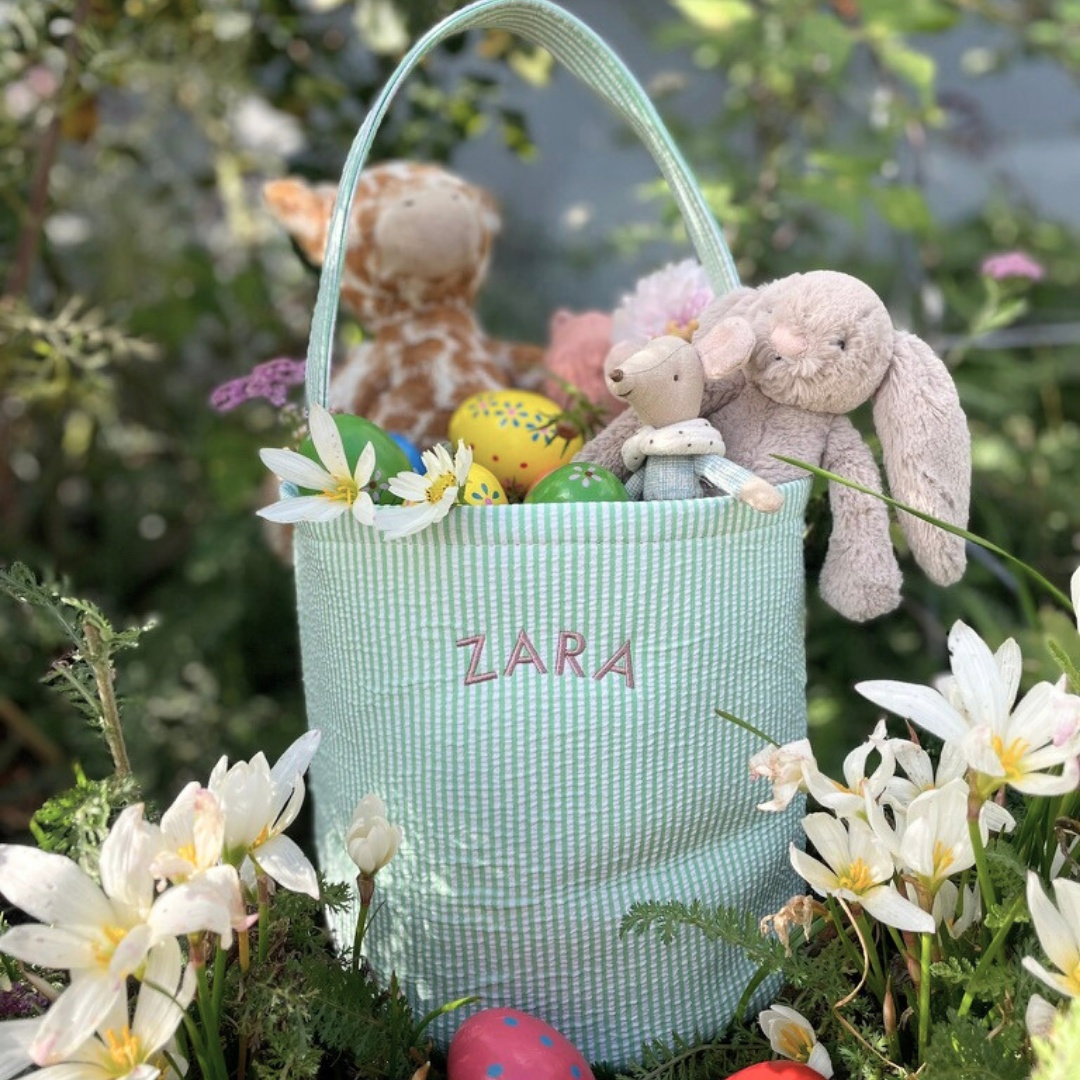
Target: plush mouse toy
418	250
675	450
823	343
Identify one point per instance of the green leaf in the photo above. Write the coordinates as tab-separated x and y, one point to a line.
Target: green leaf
717	16
904	208
916	68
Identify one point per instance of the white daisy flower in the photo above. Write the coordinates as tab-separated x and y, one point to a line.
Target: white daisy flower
428	497
792	1036
339	488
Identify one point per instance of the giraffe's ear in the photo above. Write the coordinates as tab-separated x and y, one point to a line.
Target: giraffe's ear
304	211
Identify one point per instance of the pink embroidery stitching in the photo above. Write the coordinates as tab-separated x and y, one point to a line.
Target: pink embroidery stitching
477	642
523	645
611	666
567	657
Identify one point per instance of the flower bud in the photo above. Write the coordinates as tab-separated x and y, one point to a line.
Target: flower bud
371	840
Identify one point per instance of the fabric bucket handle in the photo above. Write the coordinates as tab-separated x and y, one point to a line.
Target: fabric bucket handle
586	55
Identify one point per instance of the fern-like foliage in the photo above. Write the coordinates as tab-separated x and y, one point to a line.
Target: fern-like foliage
76	822
85	675
668	918
301	1012
968	1048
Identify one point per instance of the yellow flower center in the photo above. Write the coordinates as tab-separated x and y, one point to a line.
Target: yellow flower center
439	486
113	935
125	1053
943	859
795	1042
857	877
1073	980
1010	755
344	491
261	838
187	852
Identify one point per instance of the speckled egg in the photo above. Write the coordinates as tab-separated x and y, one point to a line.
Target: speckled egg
482	488
512	433
578	482
777	1070
356	433
506	1044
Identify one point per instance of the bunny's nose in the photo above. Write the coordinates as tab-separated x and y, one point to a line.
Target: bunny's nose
616	375
786	342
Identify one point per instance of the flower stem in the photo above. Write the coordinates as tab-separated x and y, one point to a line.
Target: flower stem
97	656
986	883
875	960
244	943
924	995
220	956
992	951
215	1068
264	918
366	885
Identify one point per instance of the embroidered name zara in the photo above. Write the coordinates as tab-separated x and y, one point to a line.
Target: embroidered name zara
568	650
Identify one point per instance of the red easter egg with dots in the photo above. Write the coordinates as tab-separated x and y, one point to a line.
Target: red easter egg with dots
777	1070
506	1044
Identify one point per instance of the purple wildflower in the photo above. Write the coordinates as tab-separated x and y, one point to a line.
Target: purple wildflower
272	379
1012	264
20	1002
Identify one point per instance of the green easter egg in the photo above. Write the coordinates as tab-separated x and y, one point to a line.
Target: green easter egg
578	482
356	433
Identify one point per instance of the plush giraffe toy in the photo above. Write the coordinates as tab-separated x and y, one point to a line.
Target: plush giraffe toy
418	249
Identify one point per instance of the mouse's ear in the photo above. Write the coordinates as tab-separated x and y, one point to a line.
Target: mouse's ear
304	211
927	450
725	347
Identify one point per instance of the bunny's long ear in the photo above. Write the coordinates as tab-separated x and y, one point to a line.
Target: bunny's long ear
927	450
304	211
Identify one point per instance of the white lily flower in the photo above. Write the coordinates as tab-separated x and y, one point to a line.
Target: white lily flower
371	840
1059	934
782	766
428	497
936	843
100	934
120	1048
975	710
259	804
192	835
339	488
849	798
857	868
952	765
1040	1017
792	1036
945	904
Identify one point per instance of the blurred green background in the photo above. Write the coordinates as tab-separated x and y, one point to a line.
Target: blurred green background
140	271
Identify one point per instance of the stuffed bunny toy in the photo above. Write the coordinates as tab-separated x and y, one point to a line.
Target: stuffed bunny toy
820	345
418	248
675	450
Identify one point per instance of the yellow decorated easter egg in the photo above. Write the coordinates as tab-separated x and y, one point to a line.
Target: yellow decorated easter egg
514	434
482	488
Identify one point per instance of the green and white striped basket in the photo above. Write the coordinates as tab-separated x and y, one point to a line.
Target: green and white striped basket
533	692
